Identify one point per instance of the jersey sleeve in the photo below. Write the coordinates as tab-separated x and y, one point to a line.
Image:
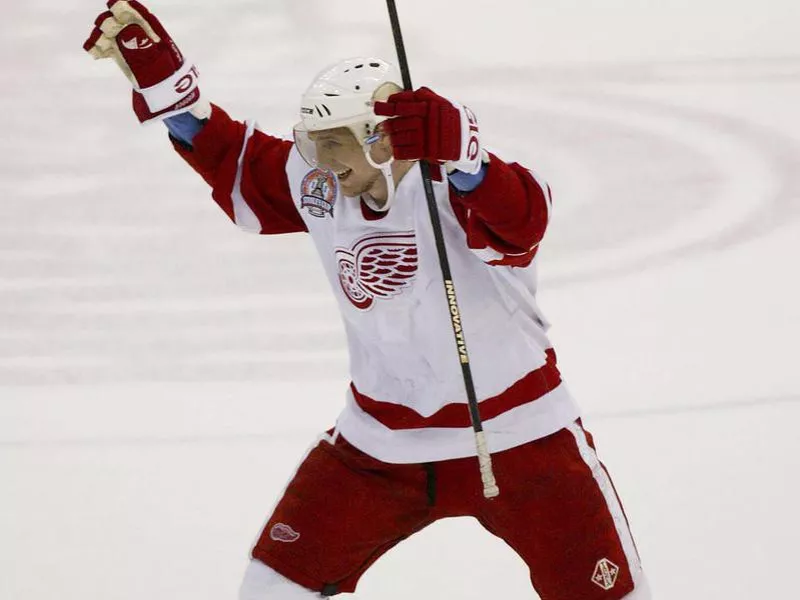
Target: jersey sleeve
246	170
505	217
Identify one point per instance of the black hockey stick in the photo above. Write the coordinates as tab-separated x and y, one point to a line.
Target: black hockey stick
490	489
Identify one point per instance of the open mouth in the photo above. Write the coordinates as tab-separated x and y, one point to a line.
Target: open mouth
343	174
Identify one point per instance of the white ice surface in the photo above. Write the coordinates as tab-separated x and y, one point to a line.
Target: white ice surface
161	373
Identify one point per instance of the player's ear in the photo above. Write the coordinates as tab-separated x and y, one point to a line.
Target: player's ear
382	149
382	94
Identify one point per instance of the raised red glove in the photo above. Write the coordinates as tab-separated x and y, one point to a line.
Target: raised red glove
425	126
164	83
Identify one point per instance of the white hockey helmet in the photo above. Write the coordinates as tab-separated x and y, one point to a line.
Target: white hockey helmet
341	95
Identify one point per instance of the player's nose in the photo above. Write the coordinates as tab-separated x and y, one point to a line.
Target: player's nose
323	156
326	159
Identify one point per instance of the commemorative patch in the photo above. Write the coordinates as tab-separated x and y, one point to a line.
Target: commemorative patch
318	193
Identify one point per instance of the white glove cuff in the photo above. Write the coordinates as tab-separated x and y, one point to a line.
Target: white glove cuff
170	91
472	154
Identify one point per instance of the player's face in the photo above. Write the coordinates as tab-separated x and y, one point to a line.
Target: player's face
339	151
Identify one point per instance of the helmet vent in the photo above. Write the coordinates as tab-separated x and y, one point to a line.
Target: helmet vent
319	110
359	67
376	65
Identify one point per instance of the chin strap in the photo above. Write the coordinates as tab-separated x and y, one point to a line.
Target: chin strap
386	169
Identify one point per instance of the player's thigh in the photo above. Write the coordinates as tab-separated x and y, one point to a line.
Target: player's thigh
339	513
558	509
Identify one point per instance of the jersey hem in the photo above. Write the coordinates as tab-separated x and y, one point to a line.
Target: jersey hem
531	421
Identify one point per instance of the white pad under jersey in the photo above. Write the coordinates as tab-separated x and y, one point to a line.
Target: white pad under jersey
263	583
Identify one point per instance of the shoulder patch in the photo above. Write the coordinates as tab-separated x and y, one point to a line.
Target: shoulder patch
318	192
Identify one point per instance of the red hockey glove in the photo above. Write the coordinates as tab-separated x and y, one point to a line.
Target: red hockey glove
164	83
425	126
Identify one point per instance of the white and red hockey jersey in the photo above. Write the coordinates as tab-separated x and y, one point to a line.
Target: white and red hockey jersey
407	401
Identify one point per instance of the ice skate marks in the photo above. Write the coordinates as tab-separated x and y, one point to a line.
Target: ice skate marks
379	266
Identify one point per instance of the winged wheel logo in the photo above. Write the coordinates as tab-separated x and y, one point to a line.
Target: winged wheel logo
379	266
281	532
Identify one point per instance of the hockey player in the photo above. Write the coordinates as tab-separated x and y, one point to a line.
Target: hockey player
402	454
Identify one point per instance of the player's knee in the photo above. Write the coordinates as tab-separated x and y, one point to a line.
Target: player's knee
263	583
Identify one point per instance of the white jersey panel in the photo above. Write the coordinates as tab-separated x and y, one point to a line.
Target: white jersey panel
386	276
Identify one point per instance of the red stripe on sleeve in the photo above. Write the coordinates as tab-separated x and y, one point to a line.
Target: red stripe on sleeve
214	154
507	212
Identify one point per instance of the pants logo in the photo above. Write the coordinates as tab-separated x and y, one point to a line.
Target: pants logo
605	574
283	533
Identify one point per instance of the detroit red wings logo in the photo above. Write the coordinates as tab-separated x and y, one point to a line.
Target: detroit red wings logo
379	266
281	532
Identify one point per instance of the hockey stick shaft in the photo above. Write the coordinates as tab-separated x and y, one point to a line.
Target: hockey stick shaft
490	489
